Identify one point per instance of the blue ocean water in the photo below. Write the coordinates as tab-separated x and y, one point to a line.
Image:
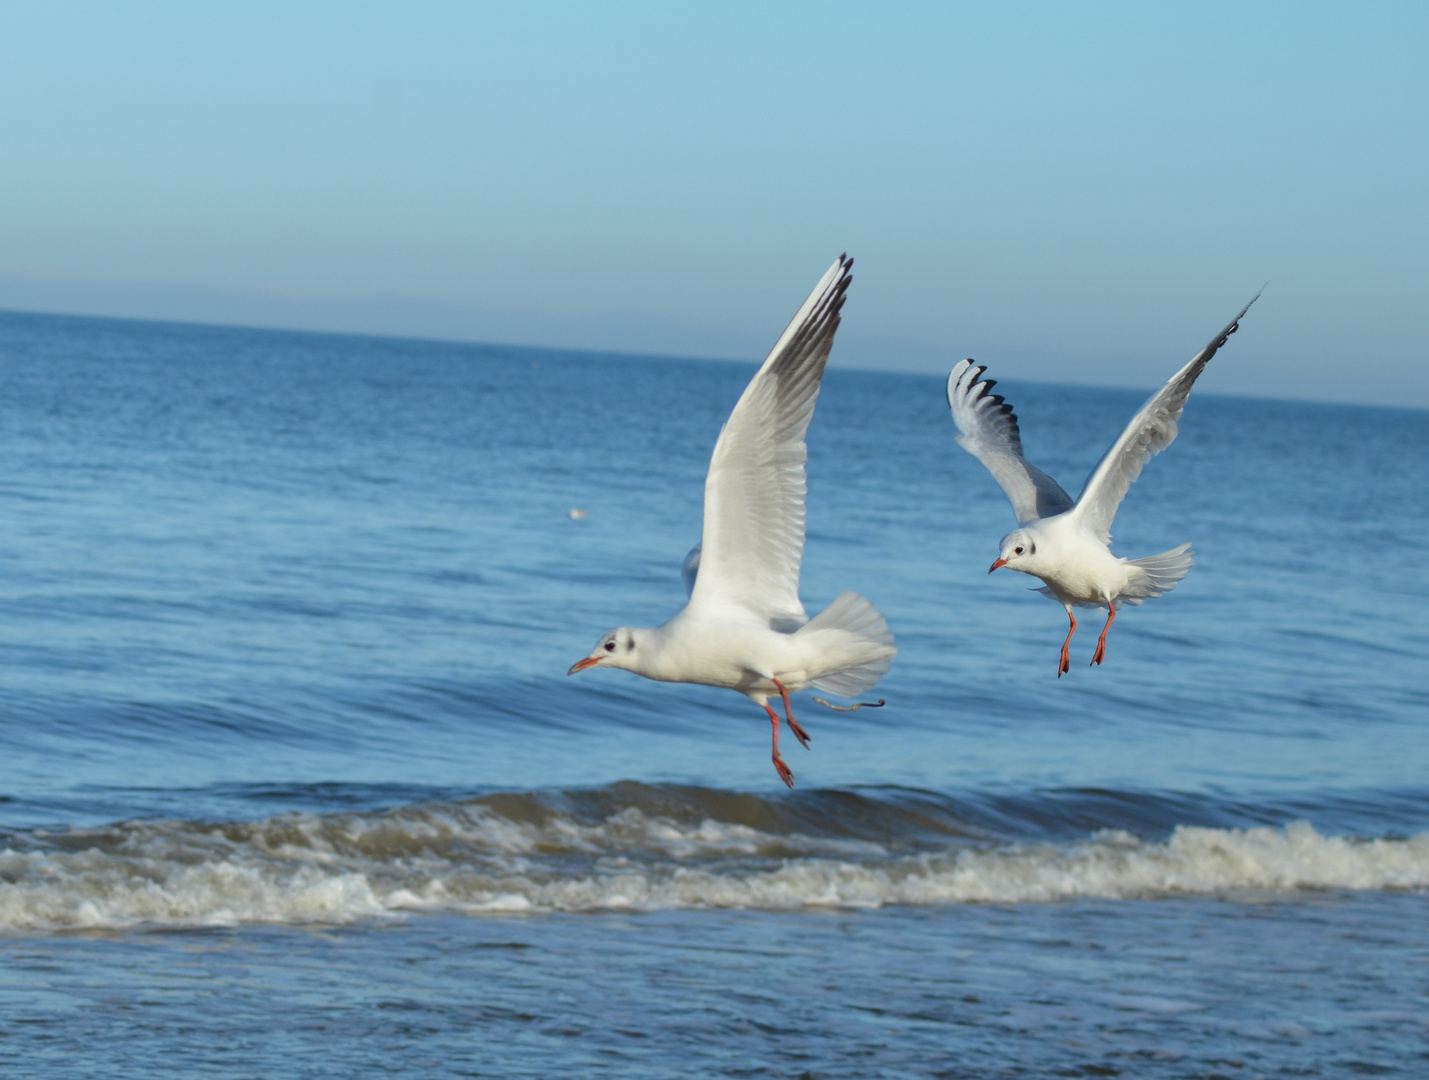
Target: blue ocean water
292	781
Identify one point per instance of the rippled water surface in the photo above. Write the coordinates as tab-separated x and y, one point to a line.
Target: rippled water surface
292	781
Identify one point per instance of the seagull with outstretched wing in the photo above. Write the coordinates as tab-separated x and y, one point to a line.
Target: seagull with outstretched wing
744	626
1067	544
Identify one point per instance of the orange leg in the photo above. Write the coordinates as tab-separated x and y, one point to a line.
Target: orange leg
1100	654
1066	664
785	773
794	725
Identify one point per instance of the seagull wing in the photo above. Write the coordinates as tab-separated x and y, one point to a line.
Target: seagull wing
1152	430
753	540
690	569
988	431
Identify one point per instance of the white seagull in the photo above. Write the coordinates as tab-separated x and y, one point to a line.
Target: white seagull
744	626
1067	544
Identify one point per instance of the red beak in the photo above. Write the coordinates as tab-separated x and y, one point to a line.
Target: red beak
581	665
994	566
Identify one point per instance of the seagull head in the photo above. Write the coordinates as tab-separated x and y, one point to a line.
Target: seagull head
618	649
1019	549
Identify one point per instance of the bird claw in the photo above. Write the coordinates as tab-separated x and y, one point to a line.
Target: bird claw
1066	664
1100	654
852	708
785	773
794	725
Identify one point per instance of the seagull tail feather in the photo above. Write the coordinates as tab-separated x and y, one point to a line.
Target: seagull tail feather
1157	574
854	643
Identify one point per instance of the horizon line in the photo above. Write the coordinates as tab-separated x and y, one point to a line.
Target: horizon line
635	354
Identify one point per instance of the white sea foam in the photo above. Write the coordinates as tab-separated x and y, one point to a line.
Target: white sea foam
303	869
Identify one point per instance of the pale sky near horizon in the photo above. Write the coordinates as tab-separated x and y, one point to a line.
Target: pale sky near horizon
1074	193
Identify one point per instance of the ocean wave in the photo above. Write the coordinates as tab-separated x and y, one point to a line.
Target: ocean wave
641	849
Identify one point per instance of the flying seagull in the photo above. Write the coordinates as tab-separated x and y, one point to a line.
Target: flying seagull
744	626
1067	544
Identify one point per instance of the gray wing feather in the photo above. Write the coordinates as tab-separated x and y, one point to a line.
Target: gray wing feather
1152	430
753	540
989	432
690	568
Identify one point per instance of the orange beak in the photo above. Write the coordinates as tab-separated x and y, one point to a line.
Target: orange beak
581	665
994	566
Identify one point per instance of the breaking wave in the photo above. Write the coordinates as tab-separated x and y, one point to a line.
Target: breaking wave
632	847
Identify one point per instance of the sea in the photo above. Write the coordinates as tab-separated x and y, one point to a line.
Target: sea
293	782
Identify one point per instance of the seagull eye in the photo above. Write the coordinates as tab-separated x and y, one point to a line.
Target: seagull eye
1017	551
610	646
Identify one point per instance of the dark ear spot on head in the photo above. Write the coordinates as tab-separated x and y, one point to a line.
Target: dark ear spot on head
630	644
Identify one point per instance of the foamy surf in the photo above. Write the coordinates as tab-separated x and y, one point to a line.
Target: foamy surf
594	852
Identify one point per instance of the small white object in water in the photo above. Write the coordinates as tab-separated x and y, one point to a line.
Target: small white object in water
575	513
1068	545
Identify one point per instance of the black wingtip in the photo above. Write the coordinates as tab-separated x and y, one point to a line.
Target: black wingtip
1249	302
1211	349
841	288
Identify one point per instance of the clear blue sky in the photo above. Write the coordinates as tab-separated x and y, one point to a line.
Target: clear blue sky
1081	193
